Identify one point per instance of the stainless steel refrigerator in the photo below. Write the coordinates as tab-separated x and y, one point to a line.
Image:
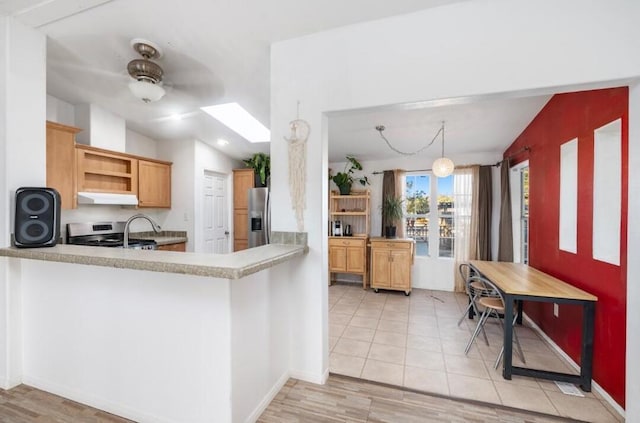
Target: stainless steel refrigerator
259	224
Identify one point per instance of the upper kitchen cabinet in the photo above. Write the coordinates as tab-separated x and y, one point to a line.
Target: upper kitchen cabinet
106	171
154	183
61	162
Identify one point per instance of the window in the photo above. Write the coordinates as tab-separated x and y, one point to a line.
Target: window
524	214
446	225
417	202
423	193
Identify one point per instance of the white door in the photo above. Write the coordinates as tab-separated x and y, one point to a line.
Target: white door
216	227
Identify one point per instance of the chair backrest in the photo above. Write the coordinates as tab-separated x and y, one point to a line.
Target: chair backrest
489	286
466	271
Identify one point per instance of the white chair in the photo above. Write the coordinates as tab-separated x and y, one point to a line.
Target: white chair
493	306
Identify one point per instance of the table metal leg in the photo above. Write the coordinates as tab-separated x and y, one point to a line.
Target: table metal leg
586	365
519	317
508	337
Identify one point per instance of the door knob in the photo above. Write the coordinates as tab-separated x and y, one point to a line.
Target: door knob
226	232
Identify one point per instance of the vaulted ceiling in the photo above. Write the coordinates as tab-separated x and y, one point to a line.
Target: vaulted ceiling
218	51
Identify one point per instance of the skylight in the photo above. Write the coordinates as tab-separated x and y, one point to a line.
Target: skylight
239	120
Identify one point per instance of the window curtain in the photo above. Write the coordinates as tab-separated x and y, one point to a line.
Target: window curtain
485	203
392	185
505	241
464	217
399	179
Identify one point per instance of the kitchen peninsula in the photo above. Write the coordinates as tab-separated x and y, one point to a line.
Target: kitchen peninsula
156	336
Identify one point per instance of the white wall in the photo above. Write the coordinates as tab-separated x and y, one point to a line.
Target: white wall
210	159
633	264
459	50
140	145
105	337
190	159
101	128
180	217
22	160
259	340
60	111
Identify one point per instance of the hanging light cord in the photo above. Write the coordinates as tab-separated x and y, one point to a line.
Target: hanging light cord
381	128
442	129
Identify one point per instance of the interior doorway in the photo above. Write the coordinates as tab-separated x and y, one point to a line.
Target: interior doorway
215	215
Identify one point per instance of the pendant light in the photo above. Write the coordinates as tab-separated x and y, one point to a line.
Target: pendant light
443	166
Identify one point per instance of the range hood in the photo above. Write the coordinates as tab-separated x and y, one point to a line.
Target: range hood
107	198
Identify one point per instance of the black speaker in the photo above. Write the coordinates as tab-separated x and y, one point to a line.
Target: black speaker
37	221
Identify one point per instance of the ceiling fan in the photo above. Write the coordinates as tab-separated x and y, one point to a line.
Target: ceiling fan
147	75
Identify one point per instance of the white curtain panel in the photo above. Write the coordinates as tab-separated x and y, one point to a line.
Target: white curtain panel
463	182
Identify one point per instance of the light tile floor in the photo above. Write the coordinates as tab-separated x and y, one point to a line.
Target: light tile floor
416	342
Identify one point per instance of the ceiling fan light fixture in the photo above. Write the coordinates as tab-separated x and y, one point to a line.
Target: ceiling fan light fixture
147	74
146	91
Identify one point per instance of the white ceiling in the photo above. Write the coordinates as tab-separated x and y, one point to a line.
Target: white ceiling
218	51
471	126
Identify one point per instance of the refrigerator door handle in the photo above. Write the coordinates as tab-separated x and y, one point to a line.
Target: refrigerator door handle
267	220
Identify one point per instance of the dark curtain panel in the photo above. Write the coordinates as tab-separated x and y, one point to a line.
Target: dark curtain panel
485	202
388	189
505	241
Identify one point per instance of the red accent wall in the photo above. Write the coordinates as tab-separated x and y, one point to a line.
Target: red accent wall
565	117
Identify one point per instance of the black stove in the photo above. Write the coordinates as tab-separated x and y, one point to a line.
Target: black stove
104	234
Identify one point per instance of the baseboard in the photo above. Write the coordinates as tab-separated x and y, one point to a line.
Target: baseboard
311	377
93	401
255	415
573	364
7	384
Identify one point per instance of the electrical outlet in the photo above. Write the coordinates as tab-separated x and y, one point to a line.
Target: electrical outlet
556	309
186	216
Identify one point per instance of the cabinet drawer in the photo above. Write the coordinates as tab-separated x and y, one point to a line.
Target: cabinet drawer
346	242
391	244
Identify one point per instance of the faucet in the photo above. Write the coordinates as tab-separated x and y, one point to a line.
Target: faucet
154	225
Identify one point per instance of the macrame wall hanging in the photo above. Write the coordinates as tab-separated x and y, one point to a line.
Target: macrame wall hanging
298	166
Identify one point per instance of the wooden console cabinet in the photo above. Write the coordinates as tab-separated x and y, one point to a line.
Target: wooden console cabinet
348	255
391	261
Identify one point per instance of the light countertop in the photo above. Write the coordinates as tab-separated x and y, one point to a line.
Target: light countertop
229	266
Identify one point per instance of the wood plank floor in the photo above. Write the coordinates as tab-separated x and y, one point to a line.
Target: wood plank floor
24	404
346	399
341	399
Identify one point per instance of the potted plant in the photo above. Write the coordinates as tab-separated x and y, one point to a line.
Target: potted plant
392	213
261	164
345	179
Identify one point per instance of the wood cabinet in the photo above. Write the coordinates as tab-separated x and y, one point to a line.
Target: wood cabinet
391	261
154	184
243	180
181	246
348	254
61	162
101	170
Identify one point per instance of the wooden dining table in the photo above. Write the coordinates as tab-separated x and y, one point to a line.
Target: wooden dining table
520	282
